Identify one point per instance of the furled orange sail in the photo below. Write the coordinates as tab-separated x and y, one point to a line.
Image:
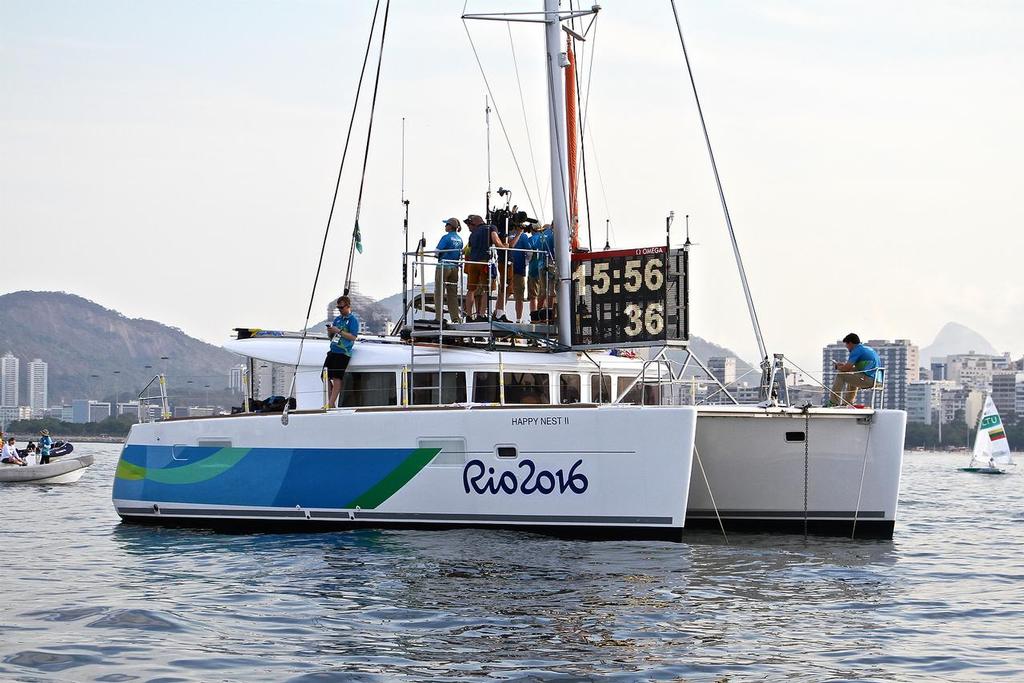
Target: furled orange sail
570	125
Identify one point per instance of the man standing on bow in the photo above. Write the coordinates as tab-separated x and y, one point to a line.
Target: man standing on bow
343	330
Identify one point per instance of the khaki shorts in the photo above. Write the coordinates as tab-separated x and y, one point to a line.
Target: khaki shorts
538	286
518	287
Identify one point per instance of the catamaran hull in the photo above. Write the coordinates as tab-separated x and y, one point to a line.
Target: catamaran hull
749	471
609	471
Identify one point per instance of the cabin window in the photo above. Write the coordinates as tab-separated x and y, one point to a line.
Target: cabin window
520	387
362	389
651	392
569	388
425	388
527	387
485	387
600	389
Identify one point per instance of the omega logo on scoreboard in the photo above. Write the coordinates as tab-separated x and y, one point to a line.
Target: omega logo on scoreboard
629	297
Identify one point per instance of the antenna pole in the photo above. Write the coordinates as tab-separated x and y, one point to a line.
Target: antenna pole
487	118
607	229
405	230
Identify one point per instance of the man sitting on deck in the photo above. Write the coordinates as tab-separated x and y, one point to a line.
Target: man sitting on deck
858	372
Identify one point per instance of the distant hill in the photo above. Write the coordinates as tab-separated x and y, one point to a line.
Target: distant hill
955	338
84	343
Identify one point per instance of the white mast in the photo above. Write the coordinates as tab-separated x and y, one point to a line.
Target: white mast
556	61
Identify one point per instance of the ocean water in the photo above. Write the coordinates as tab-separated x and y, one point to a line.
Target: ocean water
86	598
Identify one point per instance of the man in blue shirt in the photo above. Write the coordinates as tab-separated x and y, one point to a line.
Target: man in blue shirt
858	372
519	238
344	330
446	275
540	294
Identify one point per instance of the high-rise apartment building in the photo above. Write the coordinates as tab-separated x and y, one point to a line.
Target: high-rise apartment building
975	370
10	368
924	400
235	375
37	387
900	358
724	369
1004	392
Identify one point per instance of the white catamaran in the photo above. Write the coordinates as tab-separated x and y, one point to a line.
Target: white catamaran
991	454
465	425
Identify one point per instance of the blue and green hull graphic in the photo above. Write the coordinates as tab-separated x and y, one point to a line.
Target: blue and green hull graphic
267	477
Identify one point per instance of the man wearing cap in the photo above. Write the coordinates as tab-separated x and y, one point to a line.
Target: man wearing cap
446	275
481	237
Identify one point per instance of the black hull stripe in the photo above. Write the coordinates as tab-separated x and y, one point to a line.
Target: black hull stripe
785	514
363	515
867	529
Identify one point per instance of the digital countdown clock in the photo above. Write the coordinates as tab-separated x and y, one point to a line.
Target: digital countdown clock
629	297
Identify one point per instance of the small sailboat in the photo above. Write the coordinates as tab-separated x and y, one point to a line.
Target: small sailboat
991	453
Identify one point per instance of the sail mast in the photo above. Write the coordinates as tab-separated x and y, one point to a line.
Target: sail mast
556	61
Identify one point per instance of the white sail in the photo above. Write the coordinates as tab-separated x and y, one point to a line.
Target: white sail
990	445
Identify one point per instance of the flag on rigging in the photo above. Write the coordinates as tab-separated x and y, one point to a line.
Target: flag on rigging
358	237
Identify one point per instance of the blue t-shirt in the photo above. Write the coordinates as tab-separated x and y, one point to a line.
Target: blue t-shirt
349	323
45	443
449	249
518	258
480	243
541	241
865	359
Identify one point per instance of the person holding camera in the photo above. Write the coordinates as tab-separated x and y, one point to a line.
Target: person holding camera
343	330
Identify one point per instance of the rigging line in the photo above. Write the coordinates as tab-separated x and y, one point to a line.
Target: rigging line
526	122
497	111
600	177
334	199
356	237
721	194
590	71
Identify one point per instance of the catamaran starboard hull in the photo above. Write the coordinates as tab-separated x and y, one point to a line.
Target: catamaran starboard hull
589	471
754	463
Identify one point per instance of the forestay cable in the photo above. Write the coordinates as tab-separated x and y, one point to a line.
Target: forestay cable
334	201
526	121
721	195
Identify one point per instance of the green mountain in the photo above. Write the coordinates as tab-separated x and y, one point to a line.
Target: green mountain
94	352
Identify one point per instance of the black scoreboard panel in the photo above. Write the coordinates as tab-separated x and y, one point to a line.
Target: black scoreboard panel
629	297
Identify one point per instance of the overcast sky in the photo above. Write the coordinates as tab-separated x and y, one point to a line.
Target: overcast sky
176	160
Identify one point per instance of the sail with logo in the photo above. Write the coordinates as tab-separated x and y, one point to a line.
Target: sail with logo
991	449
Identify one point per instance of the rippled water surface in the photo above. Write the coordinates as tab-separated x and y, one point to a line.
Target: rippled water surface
87	598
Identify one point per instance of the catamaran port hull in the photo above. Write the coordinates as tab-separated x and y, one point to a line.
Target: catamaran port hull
761	465
586	471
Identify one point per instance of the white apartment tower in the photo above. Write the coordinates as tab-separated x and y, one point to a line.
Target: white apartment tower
9	379
37	387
